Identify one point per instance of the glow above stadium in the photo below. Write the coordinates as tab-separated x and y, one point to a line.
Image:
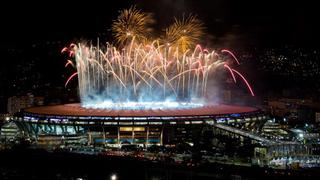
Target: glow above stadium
145	72
140	105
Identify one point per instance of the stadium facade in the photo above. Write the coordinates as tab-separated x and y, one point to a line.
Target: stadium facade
70	123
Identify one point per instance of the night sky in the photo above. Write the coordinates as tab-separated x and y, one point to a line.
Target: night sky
264	21
32	34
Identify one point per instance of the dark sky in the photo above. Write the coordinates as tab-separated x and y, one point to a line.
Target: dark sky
263	21
33	33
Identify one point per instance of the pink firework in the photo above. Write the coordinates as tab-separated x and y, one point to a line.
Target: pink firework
69	62
231	72
244	79
65	49
70	78
229	52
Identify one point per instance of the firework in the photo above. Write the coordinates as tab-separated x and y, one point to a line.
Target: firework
184	34
141	72
132	23
144	74
231	72
70	78
245	81
231	53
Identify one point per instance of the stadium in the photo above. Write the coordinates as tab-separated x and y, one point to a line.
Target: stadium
141	90
71	123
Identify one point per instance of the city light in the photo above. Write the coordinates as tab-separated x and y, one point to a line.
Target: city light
113	177
301	135
160	90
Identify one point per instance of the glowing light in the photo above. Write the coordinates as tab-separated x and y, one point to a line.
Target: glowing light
301	135
113	177
71	53
244	79
231	72
132	129
73	75
132	23
140	73
65	49
184	34
69	62
231	53
140	105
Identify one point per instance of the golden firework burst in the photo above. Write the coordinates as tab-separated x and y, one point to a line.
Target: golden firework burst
184	34
132	23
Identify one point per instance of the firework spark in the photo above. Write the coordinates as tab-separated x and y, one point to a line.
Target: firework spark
231	53
184	34
231	72
139	71
69	62
70	78
245	80
174	68
144	73
132	23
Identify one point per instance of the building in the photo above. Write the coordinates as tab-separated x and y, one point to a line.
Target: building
294	110
317	117
141	127
9	132
16	103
